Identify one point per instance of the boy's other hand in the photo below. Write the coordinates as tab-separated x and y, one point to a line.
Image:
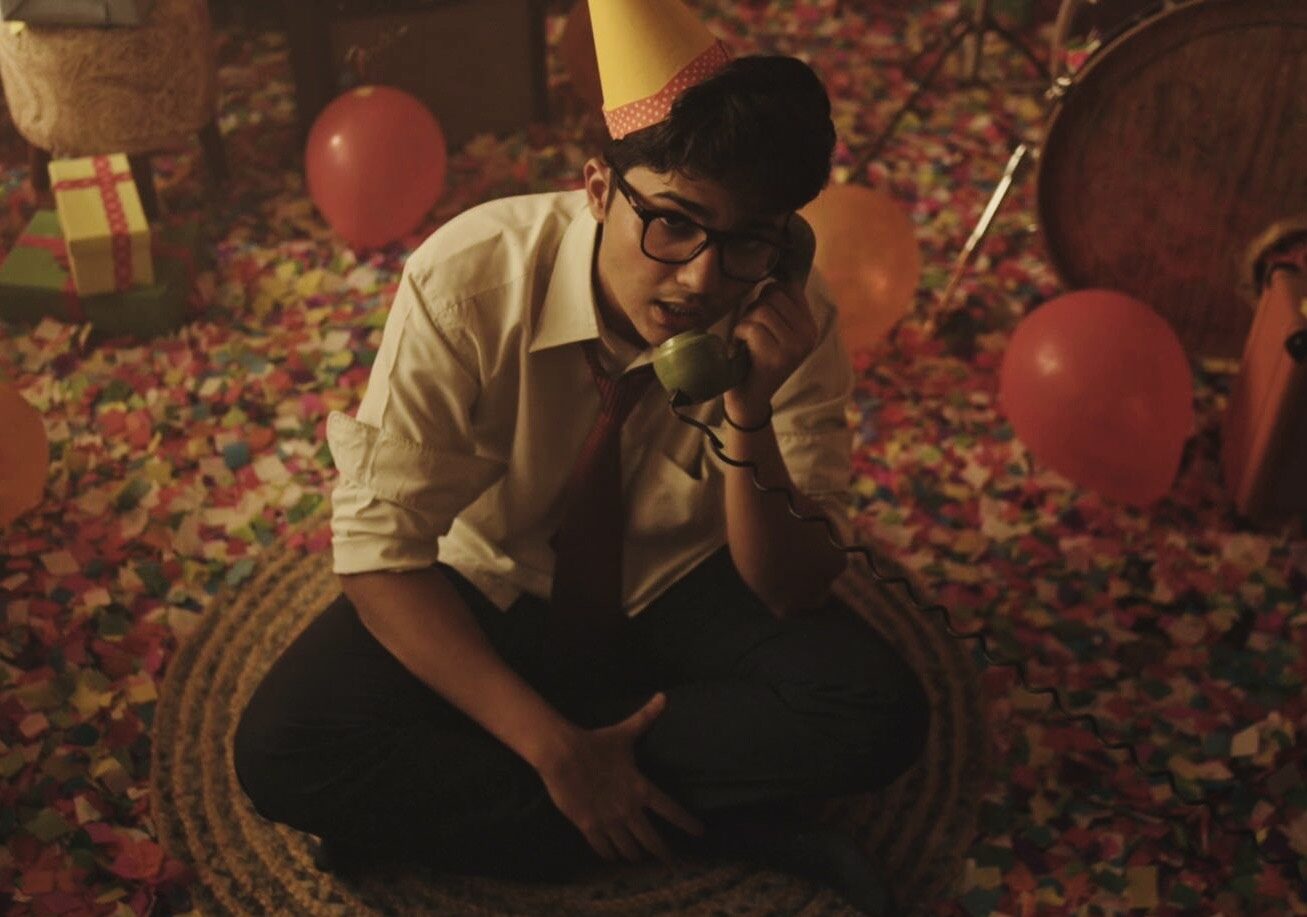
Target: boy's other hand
595	783
780	332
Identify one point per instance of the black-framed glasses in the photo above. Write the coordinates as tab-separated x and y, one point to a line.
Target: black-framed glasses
670	237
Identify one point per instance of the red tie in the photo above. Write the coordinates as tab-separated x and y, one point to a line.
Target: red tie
587	592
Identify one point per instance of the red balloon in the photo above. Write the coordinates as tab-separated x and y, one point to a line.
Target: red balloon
375	162
1098	387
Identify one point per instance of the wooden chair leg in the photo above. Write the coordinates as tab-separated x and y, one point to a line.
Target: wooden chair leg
215	154
143	175
308	32
38	164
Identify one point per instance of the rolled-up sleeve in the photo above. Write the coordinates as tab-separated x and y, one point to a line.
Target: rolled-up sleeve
406	463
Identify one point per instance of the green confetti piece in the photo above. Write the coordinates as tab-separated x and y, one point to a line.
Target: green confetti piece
96	680
1216	745
1081	698
12	763
263	531
47	826
117	390
1185	896
981	902
1039	835
304	507
130	496
254	363
990	855
236	455
65	768
85	857
151	575
113	623
83	734
1244	886
1112	881
239	572
1154	688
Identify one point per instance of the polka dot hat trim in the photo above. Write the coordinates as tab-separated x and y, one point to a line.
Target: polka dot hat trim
650	110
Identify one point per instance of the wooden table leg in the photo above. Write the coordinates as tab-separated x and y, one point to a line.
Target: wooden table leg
215	154
308	34
143	175
38	164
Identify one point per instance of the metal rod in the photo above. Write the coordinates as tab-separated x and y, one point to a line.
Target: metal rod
963	26
982	227
975	50
950	40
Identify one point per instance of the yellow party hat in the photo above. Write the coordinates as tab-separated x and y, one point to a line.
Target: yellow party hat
649	52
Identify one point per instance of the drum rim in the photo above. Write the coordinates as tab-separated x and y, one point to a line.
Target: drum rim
1062	25
1066	89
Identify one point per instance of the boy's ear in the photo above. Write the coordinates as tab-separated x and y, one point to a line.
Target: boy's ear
598	187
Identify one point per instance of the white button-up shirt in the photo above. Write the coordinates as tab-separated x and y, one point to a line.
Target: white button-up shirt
480	398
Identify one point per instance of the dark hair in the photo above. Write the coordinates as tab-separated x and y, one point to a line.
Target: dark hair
760	127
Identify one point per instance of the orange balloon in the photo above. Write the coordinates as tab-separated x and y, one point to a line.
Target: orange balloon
867	251
576	47
1098	387
24	455
375	164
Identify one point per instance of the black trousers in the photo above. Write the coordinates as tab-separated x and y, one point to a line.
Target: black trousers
342	741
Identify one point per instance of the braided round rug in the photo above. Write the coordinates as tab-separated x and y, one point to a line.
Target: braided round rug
919	828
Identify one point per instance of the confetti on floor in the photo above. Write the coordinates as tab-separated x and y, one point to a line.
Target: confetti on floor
175	461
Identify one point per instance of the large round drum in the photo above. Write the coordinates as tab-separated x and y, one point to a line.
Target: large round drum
1173	145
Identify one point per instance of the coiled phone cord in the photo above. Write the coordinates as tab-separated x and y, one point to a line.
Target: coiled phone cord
1016	665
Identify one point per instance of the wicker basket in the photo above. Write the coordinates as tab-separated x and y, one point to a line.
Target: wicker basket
85	91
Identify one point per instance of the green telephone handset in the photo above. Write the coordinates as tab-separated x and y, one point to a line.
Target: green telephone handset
696	365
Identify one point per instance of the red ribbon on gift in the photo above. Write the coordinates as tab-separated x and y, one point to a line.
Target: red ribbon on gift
106	180
56	246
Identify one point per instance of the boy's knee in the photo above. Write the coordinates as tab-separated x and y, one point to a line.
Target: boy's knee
910	728
253	759
891	722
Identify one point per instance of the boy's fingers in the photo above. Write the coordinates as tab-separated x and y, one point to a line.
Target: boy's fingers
600	845
643	718
627	843
671	810
649	838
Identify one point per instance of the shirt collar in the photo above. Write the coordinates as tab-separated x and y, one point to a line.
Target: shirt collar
569	313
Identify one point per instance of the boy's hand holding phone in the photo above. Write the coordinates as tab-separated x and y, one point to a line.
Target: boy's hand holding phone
778	329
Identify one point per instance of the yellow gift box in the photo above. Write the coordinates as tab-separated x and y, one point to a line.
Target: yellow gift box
103	223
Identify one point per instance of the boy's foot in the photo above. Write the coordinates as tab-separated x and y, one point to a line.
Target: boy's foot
816	852
330	857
